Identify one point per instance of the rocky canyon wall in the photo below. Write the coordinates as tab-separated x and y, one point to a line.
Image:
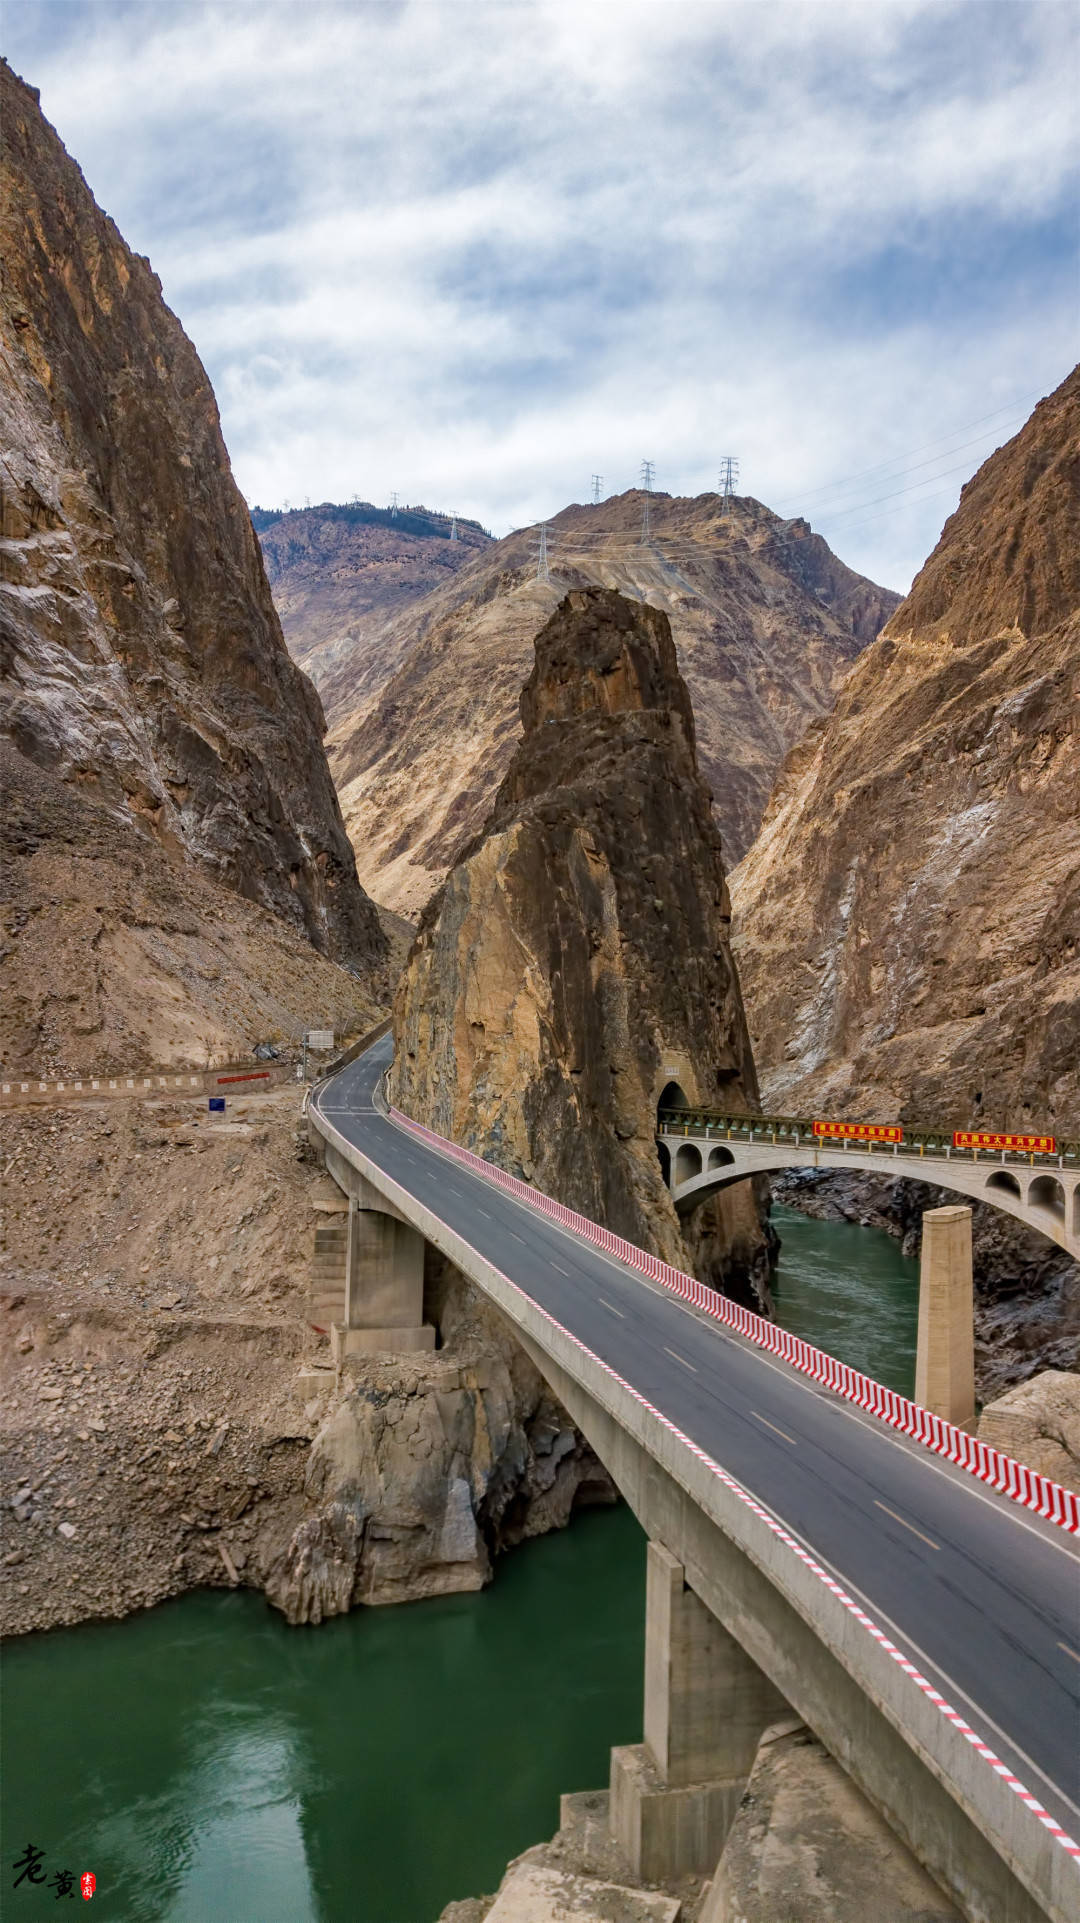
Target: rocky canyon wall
907	923
577	958
144	667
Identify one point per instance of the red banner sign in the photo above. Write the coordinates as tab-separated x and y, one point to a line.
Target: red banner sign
1028	1144
860	1131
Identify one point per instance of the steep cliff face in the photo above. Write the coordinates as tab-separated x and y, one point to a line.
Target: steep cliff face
577	960
766	622
908	920
340	575
143	660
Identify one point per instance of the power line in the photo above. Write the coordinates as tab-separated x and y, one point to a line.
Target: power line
597	484
944	493
1009	407
729	474
648	470
899	475
830	518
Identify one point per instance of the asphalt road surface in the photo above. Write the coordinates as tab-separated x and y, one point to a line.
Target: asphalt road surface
982	1595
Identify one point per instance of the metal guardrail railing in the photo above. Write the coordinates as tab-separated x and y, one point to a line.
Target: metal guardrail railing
798	1132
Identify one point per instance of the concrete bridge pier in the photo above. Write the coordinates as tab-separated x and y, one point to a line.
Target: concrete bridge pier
384	1279
674	1796
945	1358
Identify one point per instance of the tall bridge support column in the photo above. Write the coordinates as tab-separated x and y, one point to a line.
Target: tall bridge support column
384	1280
945	1360
674	1796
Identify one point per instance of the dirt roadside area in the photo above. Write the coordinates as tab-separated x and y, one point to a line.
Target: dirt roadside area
152	1326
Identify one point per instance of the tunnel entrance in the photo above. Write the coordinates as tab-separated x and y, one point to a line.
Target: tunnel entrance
672	1095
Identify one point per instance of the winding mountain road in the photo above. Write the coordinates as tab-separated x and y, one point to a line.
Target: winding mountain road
982	1595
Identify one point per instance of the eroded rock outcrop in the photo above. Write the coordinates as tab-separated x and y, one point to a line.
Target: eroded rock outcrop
143	660
766	622
1038	1423
425	1467
577	960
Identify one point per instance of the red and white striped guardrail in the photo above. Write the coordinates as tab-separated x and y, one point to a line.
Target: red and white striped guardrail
1024	1486
140	1084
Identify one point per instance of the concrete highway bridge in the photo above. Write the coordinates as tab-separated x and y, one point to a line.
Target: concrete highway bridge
702	1150
804	1556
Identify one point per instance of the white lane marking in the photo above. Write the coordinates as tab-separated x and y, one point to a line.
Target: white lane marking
611	1306
931	1665
931	1544
680	1358
915	1452
517	1237
773	1427
484	1213
1069	1652
559	1266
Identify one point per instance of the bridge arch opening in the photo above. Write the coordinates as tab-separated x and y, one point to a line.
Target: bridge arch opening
687	1162
664	1154
720	1158
1047	1194
1002	1179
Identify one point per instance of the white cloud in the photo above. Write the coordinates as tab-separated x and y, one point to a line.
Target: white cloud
473	252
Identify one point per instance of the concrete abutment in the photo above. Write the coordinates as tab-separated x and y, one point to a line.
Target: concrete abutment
945	1357
384	1273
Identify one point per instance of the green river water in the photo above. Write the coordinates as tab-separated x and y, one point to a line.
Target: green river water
211	1765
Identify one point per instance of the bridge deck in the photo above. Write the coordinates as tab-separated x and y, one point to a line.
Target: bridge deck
983	1597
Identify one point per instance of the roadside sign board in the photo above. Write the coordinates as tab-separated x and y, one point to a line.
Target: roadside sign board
216	1104
320	1039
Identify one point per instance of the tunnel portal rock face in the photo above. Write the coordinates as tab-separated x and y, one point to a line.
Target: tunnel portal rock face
143	660
576	961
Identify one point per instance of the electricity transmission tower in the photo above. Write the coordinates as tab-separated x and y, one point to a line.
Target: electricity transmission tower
648	470
541	548
597	484
729	474
393	507
453	527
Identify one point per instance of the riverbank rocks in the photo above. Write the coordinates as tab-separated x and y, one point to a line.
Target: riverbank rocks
806	1845
1038	1424
576	964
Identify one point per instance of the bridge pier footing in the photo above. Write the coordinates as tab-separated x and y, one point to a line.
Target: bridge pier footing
674	1796
945	1358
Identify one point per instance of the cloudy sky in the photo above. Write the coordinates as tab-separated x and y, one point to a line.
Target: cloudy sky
474	253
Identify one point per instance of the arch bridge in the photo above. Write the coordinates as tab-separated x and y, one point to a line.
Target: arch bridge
702	1150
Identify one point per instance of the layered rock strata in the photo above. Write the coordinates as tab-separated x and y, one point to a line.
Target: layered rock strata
766	621
576	962
143	660
908	919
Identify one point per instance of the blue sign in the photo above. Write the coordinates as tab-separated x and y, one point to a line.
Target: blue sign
217	1105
